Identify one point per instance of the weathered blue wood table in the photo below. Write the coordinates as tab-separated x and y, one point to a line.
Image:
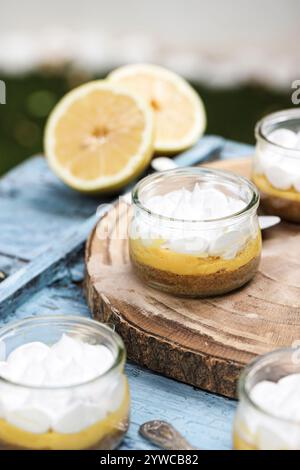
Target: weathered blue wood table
37	213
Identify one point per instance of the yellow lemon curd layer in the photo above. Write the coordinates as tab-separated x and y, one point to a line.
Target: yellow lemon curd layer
243	439
265	186
85	439
156	256
241	444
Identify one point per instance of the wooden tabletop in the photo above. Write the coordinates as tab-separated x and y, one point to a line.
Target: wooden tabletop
36	211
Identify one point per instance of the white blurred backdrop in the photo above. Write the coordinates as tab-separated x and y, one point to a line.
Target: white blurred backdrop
233	40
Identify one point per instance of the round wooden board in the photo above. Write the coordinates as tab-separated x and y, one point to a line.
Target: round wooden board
202	342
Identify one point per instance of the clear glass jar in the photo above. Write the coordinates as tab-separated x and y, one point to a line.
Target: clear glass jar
276	169
256	428
195	258
95	412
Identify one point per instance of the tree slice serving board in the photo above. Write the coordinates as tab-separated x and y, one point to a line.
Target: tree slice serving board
203	342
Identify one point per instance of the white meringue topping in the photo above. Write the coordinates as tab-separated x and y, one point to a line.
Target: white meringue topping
280	399
207	203
68	362
281	170
197	204
284	138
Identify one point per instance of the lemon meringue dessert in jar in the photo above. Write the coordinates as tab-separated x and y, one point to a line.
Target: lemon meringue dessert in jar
194	232
268	413
276	164
62	385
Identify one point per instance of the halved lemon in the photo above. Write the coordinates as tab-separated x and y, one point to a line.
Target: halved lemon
99	137
180	117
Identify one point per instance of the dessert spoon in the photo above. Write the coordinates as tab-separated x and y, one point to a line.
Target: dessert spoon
268	221
164	435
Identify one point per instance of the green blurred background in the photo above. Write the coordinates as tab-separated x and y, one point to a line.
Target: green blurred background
232	112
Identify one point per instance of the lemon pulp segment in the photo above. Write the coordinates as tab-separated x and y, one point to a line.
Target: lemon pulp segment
180	117
99	138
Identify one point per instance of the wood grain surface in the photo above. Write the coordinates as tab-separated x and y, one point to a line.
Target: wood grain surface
203	342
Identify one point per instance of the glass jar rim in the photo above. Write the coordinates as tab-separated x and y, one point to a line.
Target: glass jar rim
277	117
212	173
244	391
119	360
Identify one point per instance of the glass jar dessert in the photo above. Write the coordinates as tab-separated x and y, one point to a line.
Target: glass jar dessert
268	414
194	232
276	164
62	385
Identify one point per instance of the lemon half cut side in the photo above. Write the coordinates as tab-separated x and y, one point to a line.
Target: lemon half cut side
180	117
99	137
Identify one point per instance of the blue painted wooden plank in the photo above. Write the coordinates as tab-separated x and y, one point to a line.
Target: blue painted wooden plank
233	149
45	268
60	298
205	419
208	146
34	185
35	208
10	264
41	205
